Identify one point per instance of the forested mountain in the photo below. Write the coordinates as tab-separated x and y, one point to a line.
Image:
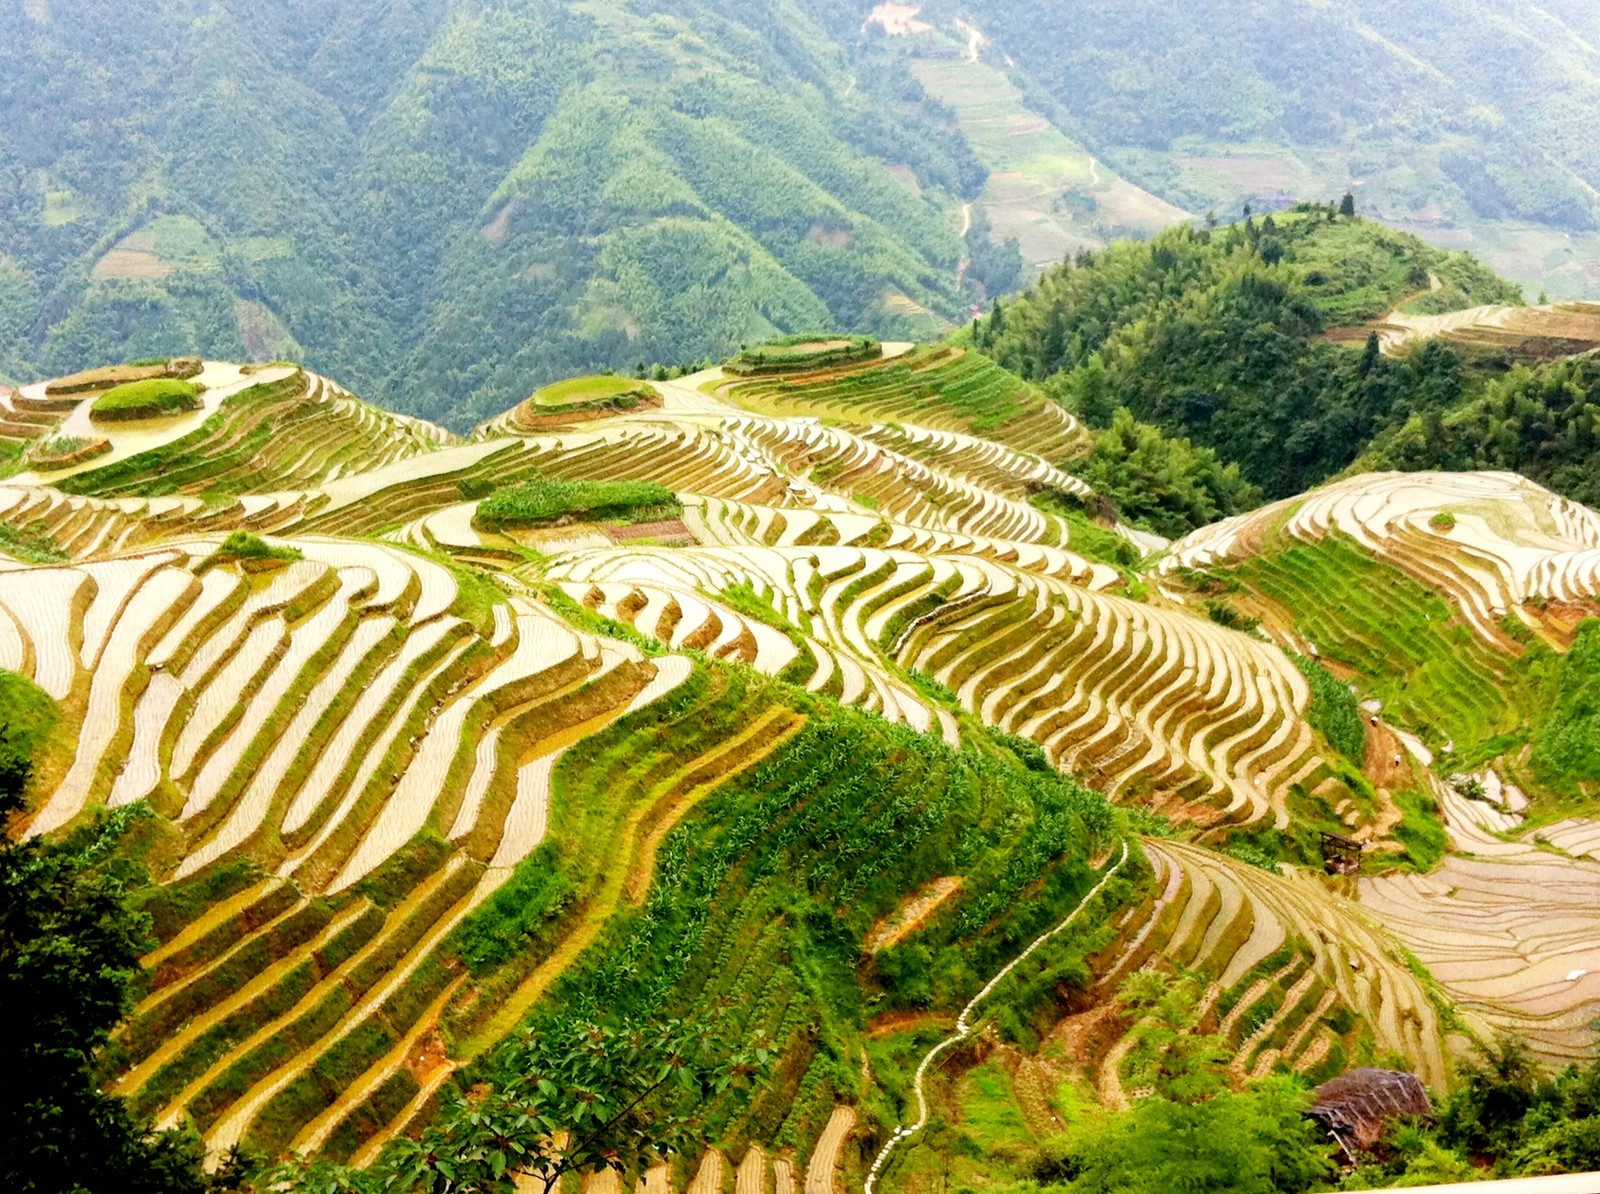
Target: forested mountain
450	201
1224	337
1469	121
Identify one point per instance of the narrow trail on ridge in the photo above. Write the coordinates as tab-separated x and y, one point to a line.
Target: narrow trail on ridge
966	227
964	1025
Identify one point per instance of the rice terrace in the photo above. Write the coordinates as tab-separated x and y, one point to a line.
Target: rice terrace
835	597
433	747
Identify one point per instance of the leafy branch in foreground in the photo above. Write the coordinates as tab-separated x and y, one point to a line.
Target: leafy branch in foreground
570	1097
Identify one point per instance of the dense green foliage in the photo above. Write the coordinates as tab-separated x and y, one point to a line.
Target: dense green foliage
1333	710
242	545
69	955
1566	751
1216	336
1429	104
146	399
1193	1132
1541	422
582	1097
446	205
1160	482
546	499
1507	1117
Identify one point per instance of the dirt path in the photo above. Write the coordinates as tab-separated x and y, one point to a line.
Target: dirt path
966	227
965	1025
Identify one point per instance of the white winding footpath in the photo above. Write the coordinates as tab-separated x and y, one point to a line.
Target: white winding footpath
964	1025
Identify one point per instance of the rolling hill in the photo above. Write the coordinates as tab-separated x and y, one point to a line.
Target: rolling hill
818	688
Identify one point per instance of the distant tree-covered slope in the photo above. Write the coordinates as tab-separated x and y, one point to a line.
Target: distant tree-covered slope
449	202
1221	337
1469	119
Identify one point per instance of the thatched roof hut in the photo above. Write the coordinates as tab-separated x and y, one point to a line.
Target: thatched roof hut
1357	1107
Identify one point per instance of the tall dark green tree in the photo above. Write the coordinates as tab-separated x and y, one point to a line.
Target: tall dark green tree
69	953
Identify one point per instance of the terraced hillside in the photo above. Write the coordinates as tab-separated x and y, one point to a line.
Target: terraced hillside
762	693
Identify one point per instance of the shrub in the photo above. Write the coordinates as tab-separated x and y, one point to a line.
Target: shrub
147	399
546	500
1443	521
242	545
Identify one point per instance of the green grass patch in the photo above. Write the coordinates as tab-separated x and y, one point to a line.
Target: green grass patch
606	391
1409	646
27	718
546	500
147	399
31	544
1333	710
1421	831
523	914
1566	750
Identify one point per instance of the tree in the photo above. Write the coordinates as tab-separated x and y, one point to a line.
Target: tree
569	1096
1191	1133
69	952
1347	205
1258	1142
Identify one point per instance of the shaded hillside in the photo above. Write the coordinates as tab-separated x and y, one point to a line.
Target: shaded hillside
1223	337
447	204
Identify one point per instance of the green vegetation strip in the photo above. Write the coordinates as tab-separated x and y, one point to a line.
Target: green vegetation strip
546	500
147	399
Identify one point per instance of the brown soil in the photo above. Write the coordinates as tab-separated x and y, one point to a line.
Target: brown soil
912	914
892	1022
427	1057
1383	747
669	530
132	263
1562	618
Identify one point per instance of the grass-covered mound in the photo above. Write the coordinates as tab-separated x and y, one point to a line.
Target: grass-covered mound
27	718
253	553
146	399
1251	340
579	399
544	501
807	351
592	393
